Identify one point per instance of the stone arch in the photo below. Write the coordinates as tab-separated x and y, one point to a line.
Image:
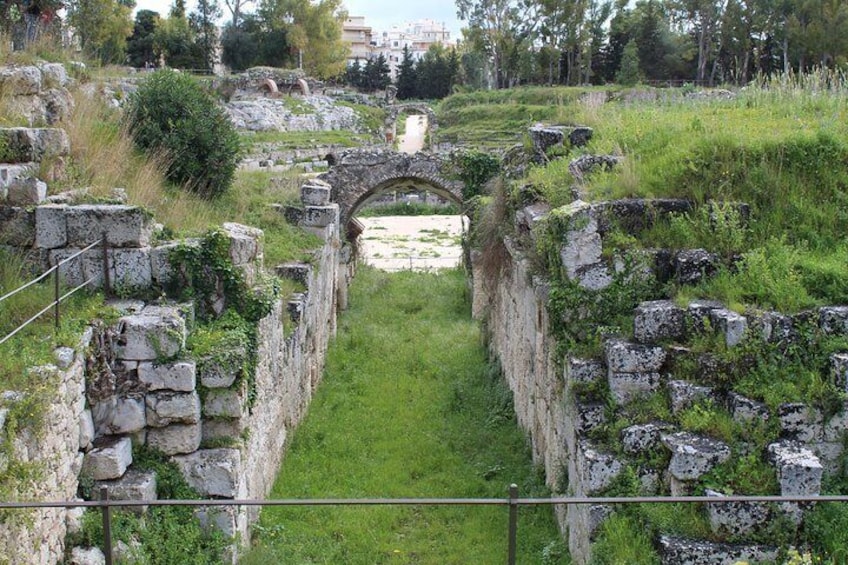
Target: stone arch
414	108
360	175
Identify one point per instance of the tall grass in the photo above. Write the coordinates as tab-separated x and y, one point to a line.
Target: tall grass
409	407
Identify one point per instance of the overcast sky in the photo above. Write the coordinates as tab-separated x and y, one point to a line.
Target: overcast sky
379	14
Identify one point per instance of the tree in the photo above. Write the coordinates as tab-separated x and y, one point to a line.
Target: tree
140	44
407	78
353	75
202	21
377	73
174	40
629	73
102	27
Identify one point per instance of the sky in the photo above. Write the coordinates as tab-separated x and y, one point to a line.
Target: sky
379	14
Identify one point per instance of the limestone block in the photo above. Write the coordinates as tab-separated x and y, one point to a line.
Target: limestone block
626	387
166	407
109	459
124	226
296	307
28	145
148	336
179	376
837	426
53	74
839	370
545	137
735	518
598	514
833	320
594	277
597	469
130	269
744	410
801	422
17	226
20	81
320	216
26	192
134	485
9	173
64	357
212	472
87	556
639	438
659	320
528	217
692	455
224	403
119	415
773	327
175	439
685	551
221	370
799	473
590	415
85	267
625	357
580	136
297	272
732	325
684	395
245	243
221	428
73	518
578	370
693	265
86	430
315	193
698	314
580	249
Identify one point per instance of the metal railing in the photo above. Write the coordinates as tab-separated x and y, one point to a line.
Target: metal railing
57	298
513	502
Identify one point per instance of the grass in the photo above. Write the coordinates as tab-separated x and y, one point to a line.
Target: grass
299	139
409	407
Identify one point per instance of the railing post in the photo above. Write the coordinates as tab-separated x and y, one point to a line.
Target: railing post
513	523
56	295
107	286
107	525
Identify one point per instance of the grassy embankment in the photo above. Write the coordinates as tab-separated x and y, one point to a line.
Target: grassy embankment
409	407
784	151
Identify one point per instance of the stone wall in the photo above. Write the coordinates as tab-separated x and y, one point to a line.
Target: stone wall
145	388
560	417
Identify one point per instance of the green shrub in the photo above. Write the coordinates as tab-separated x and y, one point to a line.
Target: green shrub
171	114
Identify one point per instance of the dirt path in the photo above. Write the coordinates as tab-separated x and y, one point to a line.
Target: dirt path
413	140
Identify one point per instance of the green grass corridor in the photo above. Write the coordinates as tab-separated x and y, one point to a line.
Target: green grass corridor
409	407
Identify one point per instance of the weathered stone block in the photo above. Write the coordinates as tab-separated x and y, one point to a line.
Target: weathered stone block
124	226
9	173
698	314
736	518
839	370
148	336
51	230
692	456
744	410
578	370
213	472
594	277
799	471
161	269
166	407
86	430
597	469
598	514
87	556
833	320
315	193
26	192
836	428
109	459
684	551
134	485
731	324
773	327
223	428
224	403
229	520
119	415
801	422
297	272
53	74
626	387
544	138
17	226
580	249
180	376
659	320
590	415
130	269
175	439
640	438
27	145
222	369
320	216
245	243
20	81
625	357
684	395
693	265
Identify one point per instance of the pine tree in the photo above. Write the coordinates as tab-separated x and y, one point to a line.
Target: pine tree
353	74
628	74
407	80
